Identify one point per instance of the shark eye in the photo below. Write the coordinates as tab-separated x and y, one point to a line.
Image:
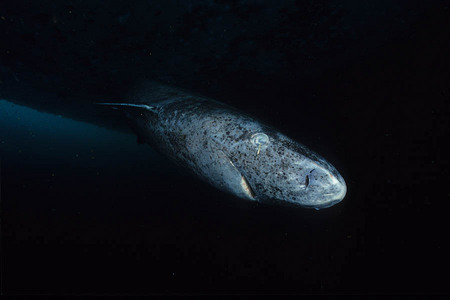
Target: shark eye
259	139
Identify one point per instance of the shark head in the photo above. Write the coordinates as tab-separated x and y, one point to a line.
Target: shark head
277	168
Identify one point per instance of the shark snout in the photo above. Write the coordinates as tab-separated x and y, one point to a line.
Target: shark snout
325	188
333	189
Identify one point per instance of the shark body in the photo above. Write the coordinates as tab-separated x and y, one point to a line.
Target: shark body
231	150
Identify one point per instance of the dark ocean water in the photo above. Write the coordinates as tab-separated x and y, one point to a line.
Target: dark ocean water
85	209
89	205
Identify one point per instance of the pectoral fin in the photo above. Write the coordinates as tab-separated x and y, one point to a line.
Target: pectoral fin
234	180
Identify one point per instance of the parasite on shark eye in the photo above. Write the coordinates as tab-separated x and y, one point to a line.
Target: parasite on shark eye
259	140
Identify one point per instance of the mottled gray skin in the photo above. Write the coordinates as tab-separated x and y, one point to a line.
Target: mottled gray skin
220	145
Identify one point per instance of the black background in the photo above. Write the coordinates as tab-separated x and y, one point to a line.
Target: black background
364	84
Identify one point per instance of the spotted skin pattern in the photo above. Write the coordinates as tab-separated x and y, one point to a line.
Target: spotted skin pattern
231	150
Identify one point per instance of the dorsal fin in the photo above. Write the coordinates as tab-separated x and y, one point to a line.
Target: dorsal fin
151	108
152	92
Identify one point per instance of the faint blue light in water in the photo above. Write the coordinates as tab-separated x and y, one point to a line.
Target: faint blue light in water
27	135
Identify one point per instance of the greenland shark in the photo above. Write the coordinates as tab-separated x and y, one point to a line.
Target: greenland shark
231	150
